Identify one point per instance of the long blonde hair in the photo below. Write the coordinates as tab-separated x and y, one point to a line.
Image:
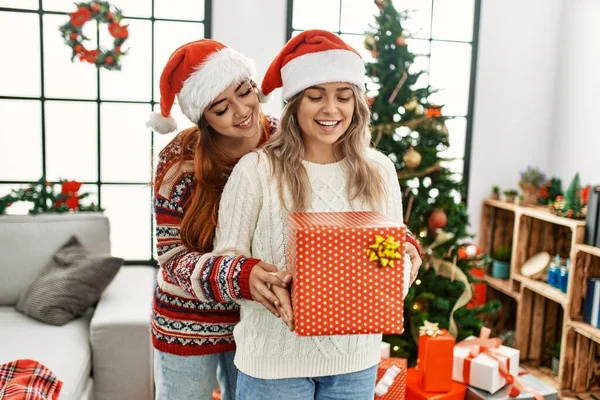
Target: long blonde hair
286	152
212	166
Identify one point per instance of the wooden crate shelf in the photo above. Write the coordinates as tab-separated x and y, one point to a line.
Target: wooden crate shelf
544	374
586	248
545	314
543	289
502	285
586	330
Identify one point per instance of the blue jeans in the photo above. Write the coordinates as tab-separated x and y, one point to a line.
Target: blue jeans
354	386
194	377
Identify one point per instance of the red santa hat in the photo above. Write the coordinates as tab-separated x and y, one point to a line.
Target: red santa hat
197	73
310	58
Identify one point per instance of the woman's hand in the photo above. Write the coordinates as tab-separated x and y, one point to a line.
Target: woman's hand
415	261
285	304
263	278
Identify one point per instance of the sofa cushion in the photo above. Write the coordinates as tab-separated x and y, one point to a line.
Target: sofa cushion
63	350
27	243
71	283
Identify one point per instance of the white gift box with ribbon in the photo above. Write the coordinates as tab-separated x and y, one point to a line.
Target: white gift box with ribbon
484	369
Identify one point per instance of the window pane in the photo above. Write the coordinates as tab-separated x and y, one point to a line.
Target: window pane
418	47
18	208
128	209
26	50
59	5
456	166
357	42
453	20
450	71
134	146
92	197
357	15
160	141
21	129
418	24
71	140
168	36
24	4
63	78
317	14
192	10
130	8
133	81
458	134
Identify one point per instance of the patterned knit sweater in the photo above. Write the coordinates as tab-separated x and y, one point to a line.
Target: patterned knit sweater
194	309
252	221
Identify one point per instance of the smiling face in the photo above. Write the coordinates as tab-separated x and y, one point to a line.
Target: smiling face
235	112
324	115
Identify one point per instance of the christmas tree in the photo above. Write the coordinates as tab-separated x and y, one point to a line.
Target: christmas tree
412	132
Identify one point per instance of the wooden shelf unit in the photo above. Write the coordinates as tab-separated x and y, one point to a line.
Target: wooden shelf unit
546	314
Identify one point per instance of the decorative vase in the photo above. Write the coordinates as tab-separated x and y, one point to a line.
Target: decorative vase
500	269
495	196
530	193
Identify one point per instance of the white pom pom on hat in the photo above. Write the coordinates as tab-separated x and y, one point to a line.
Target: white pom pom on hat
196	74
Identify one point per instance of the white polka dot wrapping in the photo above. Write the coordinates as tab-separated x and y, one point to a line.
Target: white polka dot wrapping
337	289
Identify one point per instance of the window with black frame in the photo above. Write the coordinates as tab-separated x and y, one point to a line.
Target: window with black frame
71	120
443	35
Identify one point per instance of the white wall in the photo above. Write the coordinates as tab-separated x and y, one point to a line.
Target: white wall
576	134
517	71
257	28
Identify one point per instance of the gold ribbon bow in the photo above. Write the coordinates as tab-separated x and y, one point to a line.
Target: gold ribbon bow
384	251
449	270
430	329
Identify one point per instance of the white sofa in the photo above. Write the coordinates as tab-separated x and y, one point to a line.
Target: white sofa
104	355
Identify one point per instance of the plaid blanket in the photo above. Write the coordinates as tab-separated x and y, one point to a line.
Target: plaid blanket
28	380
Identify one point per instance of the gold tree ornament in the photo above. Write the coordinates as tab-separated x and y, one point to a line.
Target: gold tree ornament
412	158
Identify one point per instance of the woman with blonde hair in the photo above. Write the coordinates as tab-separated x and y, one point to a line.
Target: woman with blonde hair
319	161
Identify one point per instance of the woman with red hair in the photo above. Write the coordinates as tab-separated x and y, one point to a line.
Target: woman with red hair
194	309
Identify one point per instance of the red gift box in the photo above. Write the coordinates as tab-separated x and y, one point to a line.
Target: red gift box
414	391
391	378
348	271
479	289
436	356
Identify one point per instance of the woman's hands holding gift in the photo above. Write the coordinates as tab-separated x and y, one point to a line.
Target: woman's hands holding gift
284	306
263	279
415	260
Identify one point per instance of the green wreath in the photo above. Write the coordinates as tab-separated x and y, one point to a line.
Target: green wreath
102	12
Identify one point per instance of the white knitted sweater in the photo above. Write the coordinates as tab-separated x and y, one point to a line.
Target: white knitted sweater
252	222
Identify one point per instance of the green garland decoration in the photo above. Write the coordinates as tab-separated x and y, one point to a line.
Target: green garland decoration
102	12
45	198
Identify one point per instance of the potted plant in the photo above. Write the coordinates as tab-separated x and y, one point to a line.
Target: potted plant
555	351
501	262
520	199
532	180
495	192
510	195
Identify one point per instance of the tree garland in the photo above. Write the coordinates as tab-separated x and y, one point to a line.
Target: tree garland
46	199
102	12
